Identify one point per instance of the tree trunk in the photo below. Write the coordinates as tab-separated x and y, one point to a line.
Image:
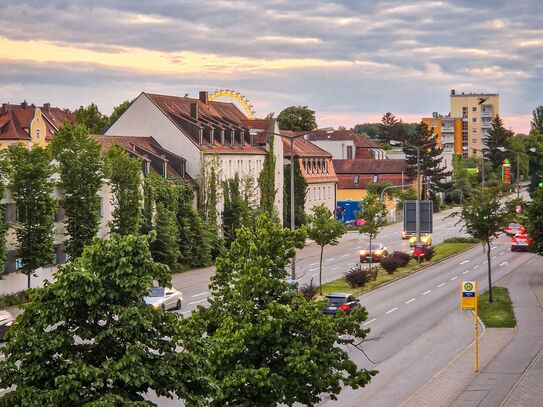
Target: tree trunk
320	272
28	279
489	272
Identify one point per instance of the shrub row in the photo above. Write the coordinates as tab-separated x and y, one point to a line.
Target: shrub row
461	240
358	276
8	300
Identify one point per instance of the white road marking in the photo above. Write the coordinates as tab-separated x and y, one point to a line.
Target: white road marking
197	302
464	262
503	264
426	292
486	261
454	278
313	269
493	257
501	252
313	264
493	247
314	274
392	310
466	272
441	285
335	268
345	255
411	300
475	267
370	321
186	312
199	295
332	259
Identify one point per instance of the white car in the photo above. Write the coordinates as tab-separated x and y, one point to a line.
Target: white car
165	298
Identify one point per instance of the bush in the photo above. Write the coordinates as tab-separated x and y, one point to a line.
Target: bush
309	290
357	276
402	258
461	240
429	253
390	264
8	300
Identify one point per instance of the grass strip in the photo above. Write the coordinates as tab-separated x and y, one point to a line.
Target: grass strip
441	251
499	313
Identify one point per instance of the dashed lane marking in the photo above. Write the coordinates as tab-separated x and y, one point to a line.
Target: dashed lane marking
335	268
411	300
314	274
392	310
332	259
493	257
197	302
501	252
441	285
454	278
313	264
503	264
199	295
370	321
313	269
475	267
466	272
345	255
426	292
464	262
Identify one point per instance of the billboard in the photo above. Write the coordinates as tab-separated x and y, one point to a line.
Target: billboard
410	216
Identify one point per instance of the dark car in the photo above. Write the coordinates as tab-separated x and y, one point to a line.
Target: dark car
340	302
520	242
377	252
6	320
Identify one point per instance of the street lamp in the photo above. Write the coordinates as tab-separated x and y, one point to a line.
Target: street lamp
417	204
292	223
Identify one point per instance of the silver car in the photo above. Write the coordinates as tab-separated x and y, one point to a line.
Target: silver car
6	320
165	298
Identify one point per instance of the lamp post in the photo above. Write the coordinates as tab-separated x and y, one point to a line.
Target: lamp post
292	223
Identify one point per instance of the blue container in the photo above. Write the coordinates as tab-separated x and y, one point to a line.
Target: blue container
347	211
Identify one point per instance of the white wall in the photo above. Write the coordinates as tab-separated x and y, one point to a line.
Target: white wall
322	193
338	148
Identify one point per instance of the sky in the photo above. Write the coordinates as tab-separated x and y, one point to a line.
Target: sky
350	61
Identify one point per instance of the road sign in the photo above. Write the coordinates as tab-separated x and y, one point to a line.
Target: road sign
419	249
410	216
468	295
518	208
506	172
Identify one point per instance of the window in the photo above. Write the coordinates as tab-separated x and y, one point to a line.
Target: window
38	134
474	120
18	263
465	112
434	125
356	179
474	131
464	126
465	136
376	178
465	156
473	141
474	109
329	192
349	152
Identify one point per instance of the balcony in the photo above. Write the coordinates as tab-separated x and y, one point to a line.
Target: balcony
447	139
486	111
447	129
486	124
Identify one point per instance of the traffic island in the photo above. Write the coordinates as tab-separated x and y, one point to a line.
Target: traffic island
499	313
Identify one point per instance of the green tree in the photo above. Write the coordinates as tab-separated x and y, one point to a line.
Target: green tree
165	248
118	112
461	187
534	218
81	169
124	173
498	136
324	230
537	121
369	129
235	208
430	158
297	118
91	118
30	172
266	182
390	128
406	195
300	191
266	345
374	214
88	338
484	216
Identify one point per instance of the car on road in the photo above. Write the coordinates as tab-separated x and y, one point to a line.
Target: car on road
520	242
6	320
376	252
406	235
513	229
165	298
426	240
340	302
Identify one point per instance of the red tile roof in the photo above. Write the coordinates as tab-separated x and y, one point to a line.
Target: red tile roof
348	181
359	140
15	120
370	166
302	147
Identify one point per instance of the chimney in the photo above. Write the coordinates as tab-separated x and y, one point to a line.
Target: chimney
24	105
194	110
204	96
164	166
4	107
47	107
453	92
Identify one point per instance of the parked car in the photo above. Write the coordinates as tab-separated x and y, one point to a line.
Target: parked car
377	251
426	239
406	235
520	242
165	298
6	320
340	302
513	229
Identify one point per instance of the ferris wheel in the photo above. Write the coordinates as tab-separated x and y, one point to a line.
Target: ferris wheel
238	97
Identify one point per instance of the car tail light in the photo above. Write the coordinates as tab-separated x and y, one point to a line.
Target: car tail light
344	308
362	252
378	252
513	240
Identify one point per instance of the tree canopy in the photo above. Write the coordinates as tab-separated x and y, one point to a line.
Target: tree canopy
300	192
498	136
91	118
297	118
374	215
266	181
537	121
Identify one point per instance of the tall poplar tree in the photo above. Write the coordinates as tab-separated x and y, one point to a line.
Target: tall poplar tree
124	174
81	170
537	121
266	182
300	191
31	187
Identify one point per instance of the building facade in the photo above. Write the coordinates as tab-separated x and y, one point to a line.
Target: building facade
477	111
448	132
346	144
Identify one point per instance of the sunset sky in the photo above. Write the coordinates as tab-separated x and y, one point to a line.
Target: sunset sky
350	61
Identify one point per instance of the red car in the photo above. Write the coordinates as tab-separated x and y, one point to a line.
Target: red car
520	242
513	229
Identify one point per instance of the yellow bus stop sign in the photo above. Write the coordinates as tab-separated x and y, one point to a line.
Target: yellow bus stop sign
468	295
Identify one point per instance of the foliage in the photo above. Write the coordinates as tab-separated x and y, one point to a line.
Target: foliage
235	208
369	129
118	112
406	195
499	313
430	158
436	198
309	290
124	174
88	338
300	191
537	121
461	187
534	224
266	345
297	118
402	258
390	128
484	216
389	264
428	253
91	118
374	214
81	169
357	276
208	188
9	300
30	172
266	182
498	136
461	240
165	248
325	230
379	187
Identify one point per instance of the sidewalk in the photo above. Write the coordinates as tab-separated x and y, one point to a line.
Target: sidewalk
510	361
